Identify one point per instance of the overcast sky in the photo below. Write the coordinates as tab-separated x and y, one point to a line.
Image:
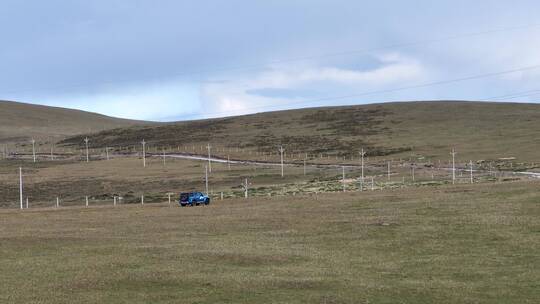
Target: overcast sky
174	60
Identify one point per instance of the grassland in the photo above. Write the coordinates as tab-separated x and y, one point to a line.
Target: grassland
478	130
126	177
19	122
71	180
298	238
451	244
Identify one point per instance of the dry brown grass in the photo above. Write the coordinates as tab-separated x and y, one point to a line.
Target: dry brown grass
72	180
20	121
478	130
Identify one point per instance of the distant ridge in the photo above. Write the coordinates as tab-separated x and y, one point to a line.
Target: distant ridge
478	130
22	121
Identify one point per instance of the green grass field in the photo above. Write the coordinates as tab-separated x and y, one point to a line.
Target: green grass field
450	244
298	238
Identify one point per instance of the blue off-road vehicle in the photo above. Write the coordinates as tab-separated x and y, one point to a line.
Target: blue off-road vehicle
193	198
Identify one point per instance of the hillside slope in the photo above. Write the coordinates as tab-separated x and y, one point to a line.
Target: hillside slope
478	130
21	121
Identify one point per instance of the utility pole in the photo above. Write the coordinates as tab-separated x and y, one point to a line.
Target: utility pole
107	152
144	152
86	142
471	170
305	157
21	187
246	188
34	149
388	173
228	163
52	155
362	154
206	178
343	177
209	161
453	153
412	168
163	157
281	150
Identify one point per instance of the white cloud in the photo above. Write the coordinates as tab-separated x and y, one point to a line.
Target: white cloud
230	98
393	68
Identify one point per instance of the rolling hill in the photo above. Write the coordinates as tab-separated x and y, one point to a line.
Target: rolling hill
21	121
478	130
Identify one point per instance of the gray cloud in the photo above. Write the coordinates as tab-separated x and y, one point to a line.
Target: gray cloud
88	54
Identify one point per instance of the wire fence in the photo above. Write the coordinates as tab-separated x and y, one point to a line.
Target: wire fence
318	179
310	173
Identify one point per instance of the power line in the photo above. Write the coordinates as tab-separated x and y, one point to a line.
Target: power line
376	92
521	96
516	95
297	59
406	44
